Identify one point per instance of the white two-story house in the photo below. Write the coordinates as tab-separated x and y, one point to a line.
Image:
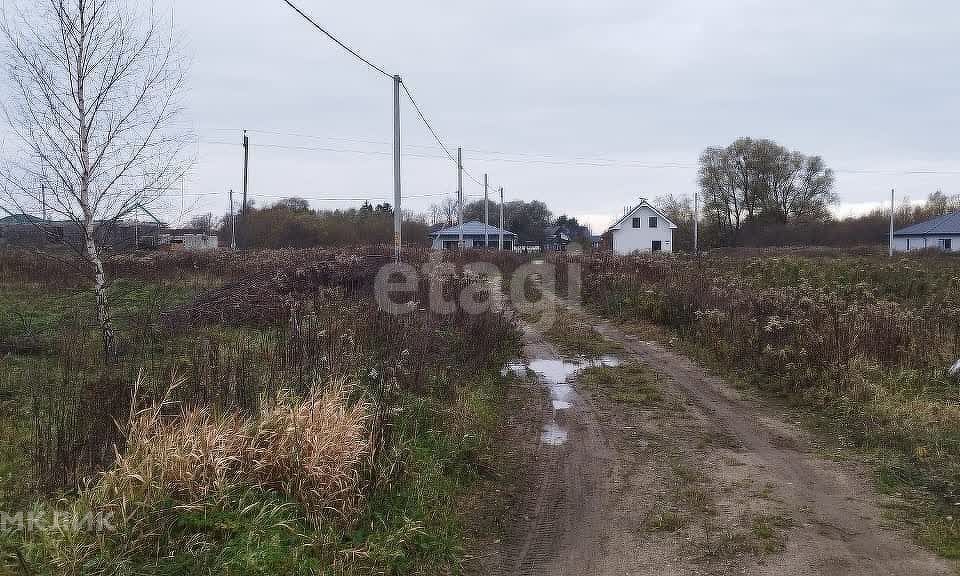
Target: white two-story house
642	229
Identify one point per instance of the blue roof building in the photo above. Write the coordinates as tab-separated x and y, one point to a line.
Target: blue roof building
941	233
475	234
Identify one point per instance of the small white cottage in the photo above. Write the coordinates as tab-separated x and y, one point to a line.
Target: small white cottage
941	233
642	229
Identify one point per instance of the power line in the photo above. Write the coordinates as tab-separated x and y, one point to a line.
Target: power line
338	42
426	123
323	149
323	198
531	158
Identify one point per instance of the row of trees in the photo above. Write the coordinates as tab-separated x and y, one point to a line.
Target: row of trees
870	228
528	220
290	223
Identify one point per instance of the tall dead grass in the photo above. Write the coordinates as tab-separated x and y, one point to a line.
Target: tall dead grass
311	449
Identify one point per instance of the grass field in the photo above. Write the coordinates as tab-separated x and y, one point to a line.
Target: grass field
234	455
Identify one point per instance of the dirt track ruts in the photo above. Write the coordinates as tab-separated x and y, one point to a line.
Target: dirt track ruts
723	463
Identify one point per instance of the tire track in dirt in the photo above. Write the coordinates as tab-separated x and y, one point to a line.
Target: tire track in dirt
566	526
721	466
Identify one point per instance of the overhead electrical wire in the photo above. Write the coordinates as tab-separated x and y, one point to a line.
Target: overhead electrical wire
337	40
426	122
552	159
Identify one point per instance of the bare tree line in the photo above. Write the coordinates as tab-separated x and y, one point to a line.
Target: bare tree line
753	181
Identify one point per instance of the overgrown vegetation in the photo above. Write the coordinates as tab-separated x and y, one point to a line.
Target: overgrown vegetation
574	337
264	417
631	384
864	342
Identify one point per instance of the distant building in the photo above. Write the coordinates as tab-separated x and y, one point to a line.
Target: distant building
188	239
473	237
642	229
942	233
556	238
24	230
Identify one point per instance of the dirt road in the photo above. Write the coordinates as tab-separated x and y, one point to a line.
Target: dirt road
696	479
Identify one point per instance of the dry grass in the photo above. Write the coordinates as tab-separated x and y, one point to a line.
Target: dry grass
311	450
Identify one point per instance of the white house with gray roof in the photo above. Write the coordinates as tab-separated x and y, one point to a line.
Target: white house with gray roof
942	233
474	235
642	229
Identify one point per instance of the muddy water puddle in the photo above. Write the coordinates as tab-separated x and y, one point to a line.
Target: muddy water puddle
554	374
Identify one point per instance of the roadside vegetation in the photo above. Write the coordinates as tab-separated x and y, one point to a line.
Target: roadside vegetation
630	384
262	416
861	344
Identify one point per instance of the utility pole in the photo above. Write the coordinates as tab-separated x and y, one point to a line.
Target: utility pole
233	224
43	201
501	218
892	193
397	217
486	215
246	167
696	222
460	193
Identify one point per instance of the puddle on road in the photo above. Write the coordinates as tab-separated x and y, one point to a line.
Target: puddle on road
518	369
554	375
553	435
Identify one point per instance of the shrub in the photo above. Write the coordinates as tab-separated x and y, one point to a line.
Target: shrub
311	450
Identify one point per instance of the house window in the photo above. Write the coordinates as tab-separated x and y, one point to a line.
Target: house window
653	221
636	222
946	244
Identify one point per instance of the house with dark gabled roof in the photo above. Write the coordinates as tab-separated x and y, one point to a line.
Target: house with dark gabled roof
941	233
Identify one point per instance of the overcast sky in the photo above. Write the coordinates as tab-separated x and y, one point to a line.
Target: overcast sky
540	92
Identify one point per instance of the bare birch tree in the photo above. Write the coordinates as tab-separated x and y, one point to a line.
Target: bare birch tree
93	96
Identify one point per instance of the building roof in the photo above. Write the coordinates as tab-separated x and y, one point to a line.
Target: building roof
20	219
557	233
947	224
472	228
643	202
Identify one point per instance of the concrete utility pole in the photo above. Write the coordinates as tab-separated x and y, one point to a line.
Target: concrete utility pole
246	168
501	218
397	217
233	224
246	172
460	193
486	215
696	222
892	193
